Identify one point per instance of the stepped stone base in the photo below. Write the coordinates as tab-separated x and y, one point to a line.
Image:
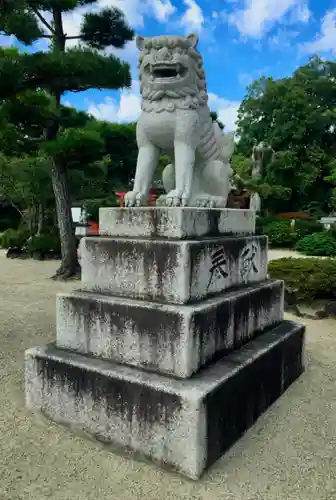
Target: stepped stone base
172	339
175	222
186	424
171	271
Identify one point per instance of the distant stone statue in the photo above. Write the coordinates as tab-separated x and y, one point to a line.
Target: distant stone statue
176	119
262	154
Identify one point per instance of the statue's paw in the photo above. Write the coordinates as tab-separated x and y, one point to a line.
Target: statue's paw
208	201
135	199
161	201
204	201
130	199
177	198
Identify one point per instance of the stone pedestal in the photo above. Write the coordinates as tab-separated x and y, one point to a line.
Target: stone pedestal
175	343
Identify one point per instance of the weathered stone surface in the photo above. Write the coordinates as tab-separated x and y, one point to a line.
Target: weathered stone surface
186	424
82	230
172	339
176	119
172	271
174	222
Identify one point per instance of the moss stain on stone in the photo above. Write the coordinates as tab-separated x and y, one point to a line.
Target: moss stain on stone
119	397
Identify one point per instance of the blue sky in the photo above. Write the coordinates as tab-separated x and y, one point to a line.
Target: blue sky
240	40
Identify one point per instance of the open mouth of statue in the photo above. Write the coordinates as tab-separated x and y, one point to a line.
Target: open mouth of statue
167	72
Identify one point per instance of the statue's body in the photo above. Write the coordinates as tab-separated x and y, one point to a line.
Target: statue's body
176	119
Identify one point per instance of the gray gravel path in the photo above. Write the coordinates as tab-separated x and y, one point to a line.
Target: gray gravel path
289	454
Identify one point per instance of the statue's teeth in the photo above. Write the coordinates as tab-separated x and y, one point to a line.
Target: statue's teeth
178	76
178	68
151	68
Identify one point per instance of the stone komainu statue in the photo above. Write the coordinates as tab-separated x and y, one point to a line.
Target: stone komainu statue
176	119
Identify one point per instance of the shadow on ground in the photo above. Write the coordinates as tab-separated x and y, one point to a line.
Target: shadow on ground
289	454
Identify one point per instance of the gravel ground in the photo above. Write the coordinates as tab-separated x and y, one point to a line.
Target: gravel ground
289	454
283	252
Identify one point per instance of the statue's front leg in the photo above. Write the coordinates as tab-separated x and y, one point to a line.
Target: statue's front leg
148	158
184	170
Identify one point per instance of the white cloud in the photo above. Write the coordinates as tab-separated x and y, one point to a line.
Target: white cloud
227	111
130	54
301	13
127	110
68	104
162	9
326	39
259	16
135	10
193	18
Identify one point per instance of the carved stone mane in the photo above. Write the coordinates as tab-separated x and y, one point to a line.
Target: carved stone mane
176	119
178	51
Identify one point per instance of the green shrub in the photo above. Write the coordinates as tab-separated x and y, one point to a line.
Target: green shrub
280	233
92	206
332	231
308	279
44	244
13	238
320	244
305	227
271	225
262	222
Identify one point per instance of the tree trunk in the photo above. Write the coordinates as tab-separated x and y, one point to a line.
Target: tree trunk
31	220
69	266
40	219
59	177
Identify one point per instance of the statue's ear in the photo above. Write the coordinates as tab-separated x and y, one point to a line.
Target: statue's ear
140	41
193	39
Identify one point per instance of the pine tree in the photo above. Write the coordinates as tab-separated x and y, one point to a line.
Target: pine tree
59	70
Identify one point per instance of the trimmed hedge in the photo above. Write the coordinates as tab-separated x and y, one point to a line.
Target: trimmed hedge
304	228
13	238
92	206
281	233
320	244
307	279
44	244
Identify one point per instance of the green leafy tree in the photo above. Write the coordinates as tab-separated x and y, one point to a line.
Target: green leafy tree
296	115
121	147
100	157
25	178
59	70
241	165
332	179
21	179
25	167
